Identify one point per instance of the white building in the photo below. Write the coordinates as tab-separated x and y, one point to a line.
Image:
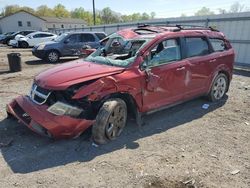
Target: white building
23	20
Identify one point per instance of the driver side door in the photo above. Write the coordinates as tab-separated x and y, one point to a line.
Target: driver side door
165	75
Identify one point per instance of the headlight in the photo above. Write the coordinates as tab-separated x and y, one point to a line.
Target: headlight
60	109
40	47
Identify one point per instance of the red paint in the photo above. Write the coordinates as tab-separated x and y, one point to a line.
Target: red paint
164	85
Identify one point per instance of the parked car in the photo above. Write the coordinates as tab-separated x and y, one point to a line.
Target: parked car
33	39
67	44
4	35
12	36
139	71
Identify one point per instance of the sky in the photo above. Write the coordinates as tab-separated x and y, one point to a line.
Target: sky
162	8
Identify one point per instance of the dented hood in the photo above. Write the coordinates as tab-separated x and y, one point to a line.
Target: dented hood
67	74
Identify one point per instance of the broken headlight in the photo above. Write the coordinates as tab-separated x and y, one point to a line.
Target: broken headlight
60	109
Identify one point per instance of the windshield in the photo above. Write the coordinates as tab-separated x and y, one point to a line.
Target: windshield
118	51
61	37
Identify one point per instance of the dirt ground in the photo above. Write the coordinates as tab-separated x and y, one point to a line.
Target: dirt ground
184	146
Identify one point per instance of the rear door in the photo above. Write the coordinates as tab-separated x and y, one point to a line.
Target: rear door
199	56
90	40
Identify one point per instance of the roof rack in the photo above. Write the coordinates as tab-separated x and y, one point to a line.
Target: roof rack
179	27
195	27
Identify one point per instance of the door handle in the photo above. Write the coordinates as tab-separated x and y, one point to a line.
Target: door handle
213	60
180	68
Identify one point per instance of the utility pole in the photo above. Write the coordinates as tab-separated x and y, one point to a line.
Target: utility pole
94	11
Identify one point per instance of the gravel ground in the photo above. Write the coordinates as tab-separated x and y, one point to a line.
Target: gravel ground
184	146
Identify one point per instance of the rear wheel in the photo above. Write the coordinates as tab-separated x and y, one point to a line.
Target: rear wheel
219	88
110	121
53	56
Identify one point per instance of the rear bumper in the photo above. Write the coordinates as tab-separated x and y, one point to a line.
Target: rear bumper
37	118
13	43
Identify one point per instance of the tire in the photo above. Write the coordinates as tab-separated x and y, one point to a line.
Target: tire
219	88
52	56
7	42
110	121
24	45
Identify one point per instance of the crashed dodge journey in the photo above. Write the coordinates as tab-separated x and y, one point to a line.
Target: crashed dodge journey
137	71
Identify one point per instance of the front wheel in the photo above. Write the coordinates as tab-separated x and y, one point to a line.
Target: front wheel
24	45
53	56
110	121
219	88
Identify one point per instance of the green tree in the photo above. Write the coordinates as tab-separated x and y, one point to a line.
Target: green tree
60	11
204	11
10	9
108	16
43	10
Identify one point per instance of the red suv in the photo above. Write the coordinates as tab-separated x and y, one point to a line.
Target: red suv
137	71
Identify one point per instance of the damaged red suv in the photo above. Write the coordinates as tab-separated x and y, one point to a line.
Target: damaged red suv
138	71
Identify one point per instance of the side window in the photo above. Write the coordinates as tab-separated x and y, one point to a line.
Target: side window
218	44
37	36
165	52
197	46
100	35
87	38
73	38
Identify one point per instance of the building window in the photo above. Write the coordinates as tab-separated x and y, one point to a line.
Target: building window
54	26
28	23
20	24
62	26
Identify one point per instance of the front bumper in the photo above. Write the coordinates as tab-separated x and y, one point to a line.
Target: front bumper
37	118
39	53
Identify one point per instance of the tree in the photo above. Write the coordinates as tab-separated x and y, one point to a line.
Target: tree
108	16
152	14
43	10
10	9
204	11
61	11
236	7
222	11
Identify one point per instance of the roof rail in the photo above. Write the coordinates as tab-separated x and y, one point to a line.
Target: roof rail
195	27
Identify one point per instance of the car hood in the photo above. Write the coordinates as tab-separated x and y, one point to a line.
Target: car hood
63	76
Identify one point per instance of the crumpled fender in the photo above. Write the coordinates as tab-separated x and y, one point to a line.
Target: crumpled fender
103	87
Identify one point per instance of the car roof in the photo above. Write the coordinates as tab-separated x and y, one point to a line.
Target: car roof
84	32
151	31
40	32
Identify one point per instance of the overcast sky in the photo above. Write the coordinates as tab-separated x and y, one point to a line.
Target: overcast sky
162	8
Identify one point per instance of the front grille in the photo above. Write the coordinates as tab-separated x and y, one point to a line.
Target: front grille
39	95
22	114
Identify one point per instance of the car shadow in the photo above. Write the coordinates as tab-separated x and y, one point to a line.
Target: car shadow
27	152
242	72
42	62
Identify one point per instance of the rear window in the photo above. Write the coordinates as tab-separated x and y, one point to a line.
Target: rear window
100	35
218	44
197	46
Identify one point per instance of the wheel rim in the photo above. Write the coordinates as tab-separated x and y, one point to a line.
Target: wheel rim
219	88
53	56
116	123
